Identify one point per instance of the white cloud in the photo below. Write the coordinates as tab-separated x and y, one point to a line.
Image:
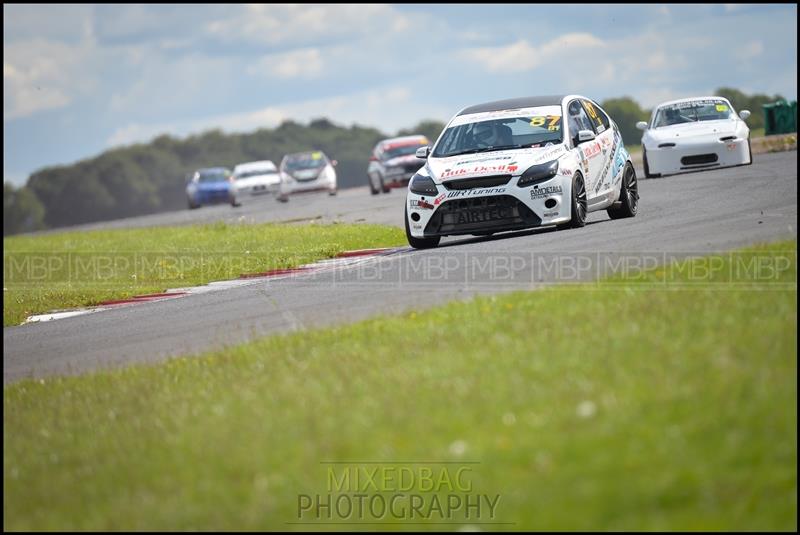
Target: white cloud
302	63
387	109
272	24
751	50
41	75
522	56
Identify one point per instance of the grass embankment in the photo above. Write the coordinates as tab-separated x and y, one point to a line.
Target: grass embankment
72	269
618	405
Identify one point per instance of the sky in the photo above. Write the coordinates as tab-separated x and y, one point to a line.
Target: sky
79	79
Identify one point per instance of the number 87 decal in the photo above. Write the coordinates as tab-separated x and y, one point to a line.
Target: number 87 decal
551	120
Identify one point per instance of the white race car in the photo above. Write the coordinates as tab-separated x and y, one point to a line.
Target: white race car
305	172
520	163
254	178
693	134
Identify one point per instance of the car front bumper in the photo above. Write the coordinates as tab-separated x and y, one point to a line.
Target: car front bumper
488	210
696	155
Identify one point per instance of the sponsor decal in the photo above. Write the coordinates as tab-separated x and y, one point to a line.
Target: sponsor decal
420	204
481	216
731	146
584	161
550	214
439	199
474	192
550	154
479	170
541	193
590	150
721	107
415	226
316	155
480	160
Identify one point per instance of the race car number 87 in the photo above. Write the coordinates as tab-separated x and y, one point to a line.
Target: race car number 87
553	122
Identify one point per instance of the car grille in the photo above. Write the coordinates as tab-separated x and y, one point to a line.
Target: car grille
699	159
468	216
480	182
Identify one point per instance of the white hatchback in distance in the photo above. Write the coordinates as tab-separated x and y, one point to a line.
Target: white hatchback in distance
254	178
305	172
693	134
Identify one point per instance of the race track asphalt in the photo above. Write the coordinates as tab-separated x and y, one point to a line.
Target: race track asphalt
682	215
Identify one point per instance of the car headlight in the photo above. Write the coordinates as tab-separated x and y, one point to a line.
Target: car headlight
538	173
423	185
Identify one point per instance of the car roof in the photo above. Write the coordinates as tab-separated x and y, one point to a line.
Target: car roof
514	103
214	170
401	139
303	153
261	164
689	99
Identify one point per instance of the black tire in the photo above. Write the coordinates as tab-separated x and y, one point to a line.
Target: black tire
282	198
419	243
628	195
647	172
384	187
333	192
750	151
579	203
372	189
193	206
235	203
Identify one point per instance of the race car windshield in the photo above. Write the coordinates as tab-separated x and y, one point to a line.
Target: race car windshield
692	112
401	150
215	175
313	160
515	132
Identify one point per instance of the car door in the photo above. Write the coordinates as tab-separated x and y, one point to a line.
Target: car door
608	141
590	156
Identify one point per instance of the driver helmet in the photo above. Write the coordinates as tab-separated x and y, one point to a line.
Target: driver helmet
485	134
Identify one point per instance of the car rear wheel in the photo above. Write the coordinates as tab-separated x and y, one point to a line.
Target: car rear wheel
192	205
384	187
628	203
419	243
372	188
579	204
282	198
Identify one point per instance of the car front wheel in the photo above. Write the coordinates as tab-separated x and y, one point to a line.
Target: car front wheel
647	172
579	204
373	189
419	243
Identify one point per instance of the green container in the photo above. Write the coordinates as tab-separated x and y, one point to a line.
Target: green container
780	117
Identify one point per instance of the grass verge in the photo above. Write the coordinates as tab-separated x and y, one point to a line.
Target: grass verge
73	269
627	404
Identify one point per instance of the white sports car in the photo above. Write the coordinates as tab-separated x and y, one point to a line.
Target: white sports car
304	172
254	178
693	134
520	163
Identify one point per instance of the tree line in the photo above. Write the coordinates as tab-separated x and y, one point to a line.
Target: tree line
150	177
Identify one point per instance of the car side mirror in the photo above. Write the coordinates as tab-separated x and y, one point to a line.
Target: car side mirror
744	114
335	163
641	125
585	135
373	158
423	152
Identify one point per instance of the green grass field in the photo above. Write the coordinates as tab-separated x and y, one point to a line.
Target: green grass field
72	269
618	405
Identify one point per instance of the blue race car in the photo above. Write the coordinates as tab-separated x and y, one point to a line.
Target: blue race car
209	186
